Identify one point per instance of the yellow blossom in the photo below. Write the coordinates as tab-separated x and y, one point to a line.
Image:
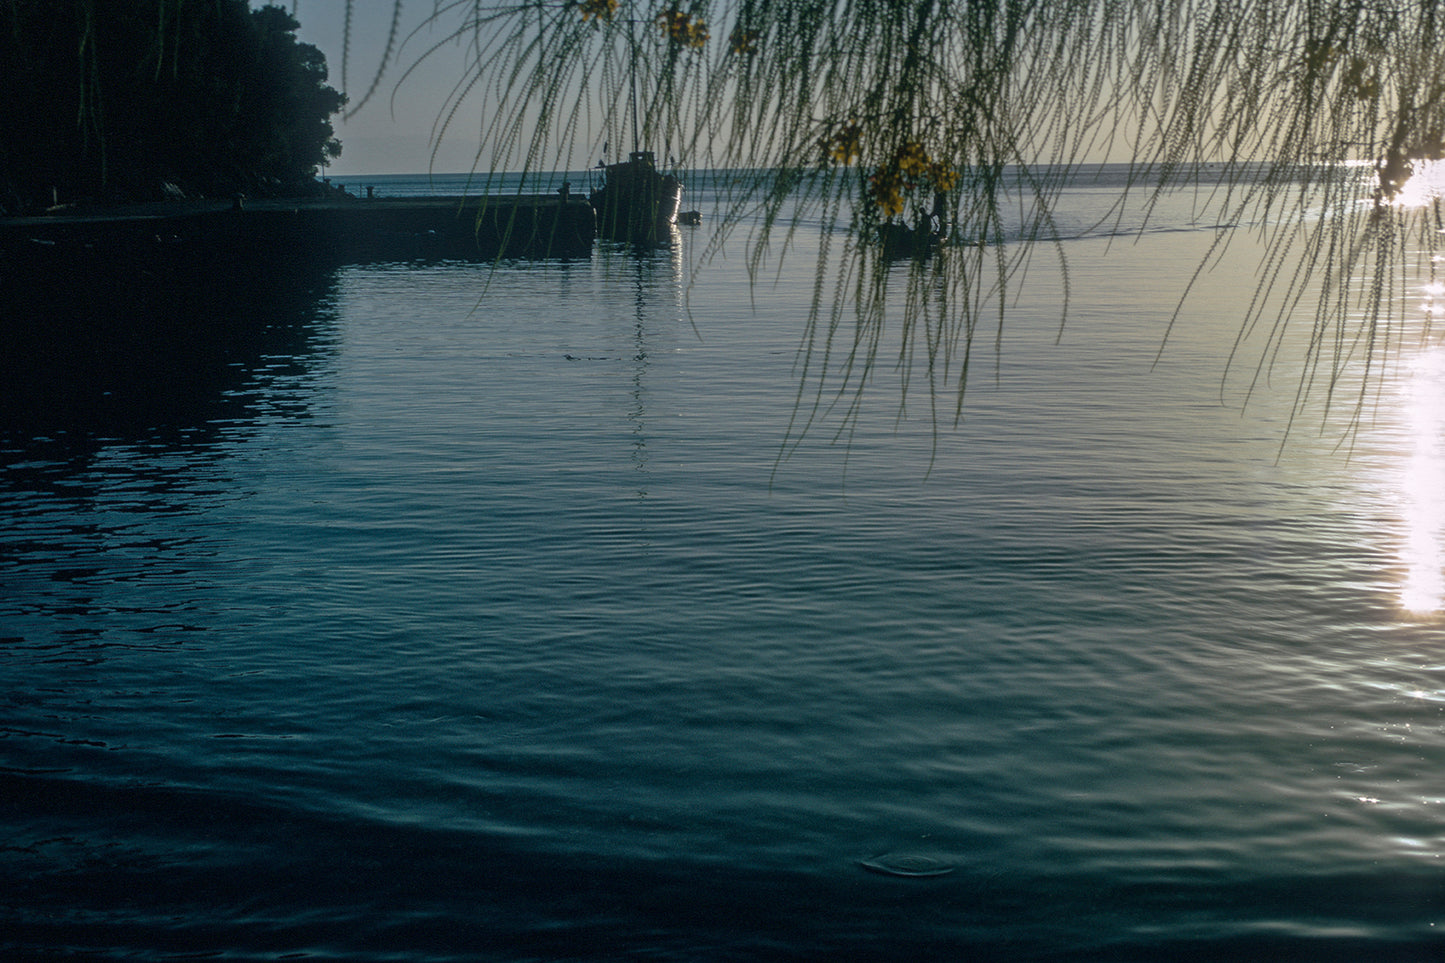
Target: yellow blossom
911	160
908	171
843	147
601	9
742	41
886	188
683	29
941	176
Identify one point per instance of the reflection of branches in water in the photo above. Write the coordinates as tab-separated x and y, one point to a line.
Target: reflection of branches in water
860	110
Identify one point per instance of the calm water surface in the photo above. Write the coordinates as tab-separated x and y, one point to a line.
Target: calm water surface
431	612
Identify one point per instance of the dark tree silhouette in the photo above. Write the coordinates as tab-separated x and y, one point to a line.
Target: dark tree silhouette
114	100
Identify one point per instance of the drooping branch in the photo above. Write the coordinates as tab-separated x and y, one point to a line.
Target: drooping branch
858	112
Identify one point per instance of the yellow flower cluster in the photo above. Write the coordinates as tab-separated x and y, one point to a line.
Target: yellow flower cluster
886	187
844	145
941	176
909	169
911	160
742	41
601	9
683	29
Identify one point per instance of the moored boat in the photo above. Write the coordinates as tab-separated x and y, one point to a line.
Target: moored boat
920	239
901	241
636	202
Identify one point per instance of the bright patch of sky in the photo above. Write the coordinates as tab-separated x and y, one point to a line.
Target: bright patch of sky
393	133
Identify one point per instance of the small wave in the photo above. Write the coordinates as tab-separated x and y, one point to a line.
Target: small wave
906	864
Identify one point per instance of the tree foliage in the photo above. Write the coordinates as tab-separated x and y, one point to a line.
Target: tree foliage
113	98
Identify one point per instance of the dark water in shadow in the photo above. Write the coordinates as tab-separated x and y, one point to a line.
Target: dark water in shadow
118	356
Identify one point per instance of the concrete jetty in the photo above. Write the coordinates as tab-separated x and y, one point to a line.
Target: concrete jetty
211	234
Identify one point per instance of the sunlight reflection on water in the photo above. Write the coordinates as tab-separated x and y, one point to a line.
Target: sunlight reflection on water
1426	184
1423	485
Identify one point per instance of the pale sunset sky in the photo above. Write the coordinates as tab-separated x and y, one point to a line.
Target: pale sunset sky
390	134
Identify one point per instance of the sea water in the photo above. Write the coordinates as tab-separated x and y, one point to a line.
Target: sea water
452	611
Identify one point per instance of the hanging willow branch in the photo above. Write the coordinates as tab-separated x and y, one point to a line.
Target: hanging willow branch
857	112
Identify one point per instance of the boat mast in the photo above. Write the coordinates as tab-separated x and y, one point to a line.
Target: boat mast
632	73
